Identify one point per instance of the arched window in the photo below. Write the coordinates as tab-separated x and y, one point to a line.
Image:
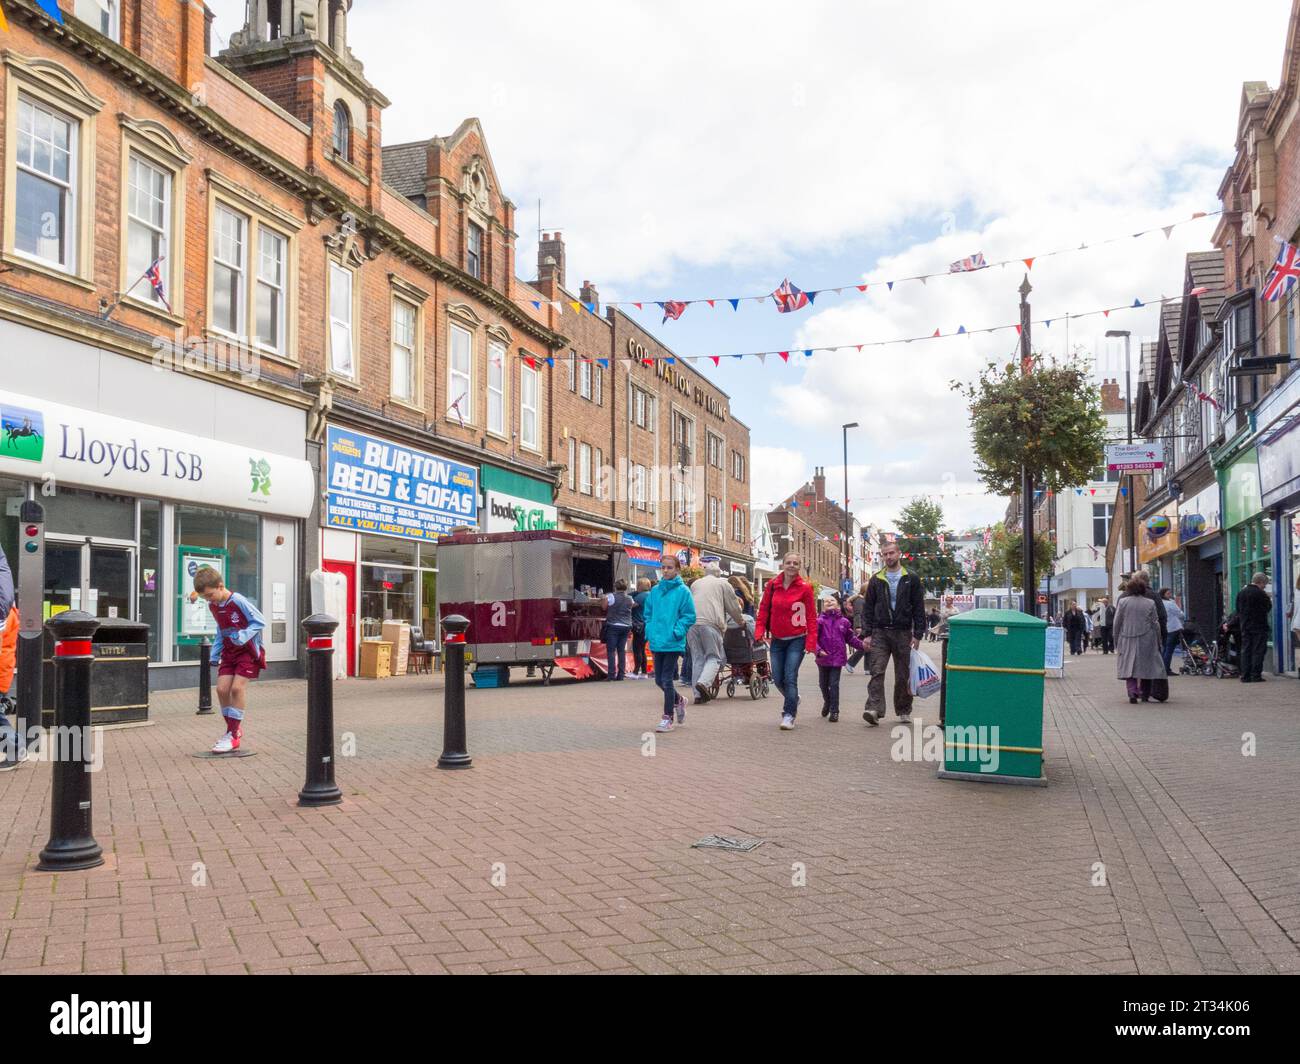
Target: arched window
342	131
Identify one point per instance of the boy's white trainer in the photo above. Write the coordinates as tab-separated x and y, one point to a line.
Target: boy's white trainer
224	745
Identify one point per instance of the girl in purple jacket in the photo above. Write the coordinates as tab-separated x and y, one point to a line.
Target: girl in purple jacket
834	636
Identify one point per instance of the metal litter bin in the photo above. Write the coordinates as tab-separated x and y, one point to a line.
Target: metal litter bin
119	674
993	719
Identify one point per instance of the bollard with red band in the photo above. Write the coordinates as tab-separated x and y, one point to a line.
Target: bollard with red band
320	788
205	678
453	694
72	844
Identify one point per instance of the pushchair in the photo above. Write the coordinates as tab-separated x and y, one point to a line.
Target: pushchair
1197	659
747	665
1225	654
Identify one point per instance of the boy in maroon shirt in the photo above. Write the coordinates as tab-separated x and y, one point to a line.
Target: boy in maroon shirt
237	651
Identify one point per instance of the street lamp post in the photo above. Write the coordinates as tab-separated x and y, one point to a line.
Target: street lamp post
848	519
1029	584
1128	413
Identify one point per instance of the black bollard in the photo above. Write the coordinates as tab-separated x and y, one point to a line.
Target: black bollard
320	788
453	694
72	846
205	678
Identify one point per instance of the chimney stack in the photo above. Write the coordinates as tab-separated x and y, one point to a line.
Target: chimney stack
819	489
550	258
588	294
1111	401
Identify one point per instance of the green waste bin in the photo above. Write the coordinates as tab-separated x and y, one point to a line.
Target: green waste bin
993	720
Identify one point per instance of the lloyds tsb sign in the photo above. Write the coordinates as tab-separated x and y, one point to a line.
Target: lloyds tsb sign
509	513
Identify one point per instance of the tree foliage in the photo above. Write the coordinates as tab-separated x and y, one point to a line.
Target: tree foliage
1000	562
1049	420
919	527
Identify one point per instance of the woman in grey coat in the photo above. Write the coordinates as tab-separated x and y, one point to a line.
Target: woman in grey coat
1137	644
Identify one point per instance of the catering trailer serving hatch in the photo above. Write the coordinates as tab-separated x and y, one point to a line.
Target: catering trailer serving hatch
532	598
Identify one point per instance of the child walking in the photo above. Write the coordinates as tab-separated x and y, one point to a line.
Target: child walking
237	651
835	635
669	613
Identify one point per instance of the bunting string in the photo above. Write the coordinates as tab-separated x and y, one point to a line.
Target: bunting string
786	298
938	334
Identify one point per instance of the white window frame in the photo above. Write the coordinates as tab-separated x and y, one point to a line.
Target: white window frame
68	197
584	379
533	442
409	350
241	268
584	468
342	131
598	464
598	383
336	273
262	283
47	85
496	389
134	288
474	259
460	382
573	464
94	13
573	371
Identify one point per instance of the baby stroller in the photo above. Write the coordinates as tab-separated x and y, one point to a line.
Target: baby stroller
1225	655
1196	655
747	665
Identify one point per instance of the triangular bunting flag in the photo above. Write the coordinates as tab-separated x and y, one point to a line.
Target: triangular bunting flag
1049	323
532	363
862	287
1105	313
604	363
859	348
1137	302
591	307
785	356
716	360
1078	491
1169	229
762	358
1029	263
1199	291
709	302
537	304
577	307
759	299
51	8
808	353
961	329
670	360
921	279
891	285
550	362
934	334
1123	491
1198	214
1092	491
638	306
735	304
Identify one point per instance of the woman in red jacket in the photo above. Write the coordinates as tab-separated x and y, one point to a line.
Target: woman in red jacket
787	620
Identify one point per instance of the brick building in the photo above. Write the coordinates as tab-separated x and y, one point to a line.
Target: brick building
813	525
348	333
651	454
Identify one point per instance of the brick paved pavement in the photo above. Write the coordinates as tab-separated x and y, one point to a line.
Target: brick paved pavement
904	872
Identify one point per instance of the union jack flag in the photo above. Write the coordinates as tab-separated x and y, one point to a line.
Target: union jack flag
788	298
973	262
155	278
1194	392
1285	273
674	309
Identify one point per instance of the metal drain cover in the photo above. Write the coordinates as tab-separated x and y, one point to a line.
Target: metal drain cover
723	842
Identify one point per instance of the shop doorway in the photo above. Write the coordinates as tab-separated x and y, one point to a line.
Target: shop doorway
349	574
92	575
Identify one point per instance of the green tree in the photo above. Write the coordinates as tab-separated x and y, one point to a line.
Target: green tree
919	527
1013	557
992	565
1049	420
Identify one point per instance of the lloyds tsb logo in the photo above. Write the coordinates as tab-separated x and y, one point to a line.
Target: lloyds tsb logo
260	471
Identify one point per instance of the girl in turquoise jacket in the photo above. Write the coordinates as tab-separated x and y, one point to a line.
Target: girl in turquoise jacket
669	614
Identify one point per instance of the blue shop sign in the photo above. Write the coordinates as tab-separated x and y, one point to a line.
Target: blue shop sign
384	489
631	539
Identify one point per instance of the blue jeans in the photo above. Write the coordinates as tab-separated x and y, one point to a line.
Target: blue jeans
1171	642
615	650
666	662
787	656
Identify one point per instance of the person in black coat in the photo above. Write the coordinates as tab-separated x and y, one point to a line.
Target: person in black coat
1255	609
1075	628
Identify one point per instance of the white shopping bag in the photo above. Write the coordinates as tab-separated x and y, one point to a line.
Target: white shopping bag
925	679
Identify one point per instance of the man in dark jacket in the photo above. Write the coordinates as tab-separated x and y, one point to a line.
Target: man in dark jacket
1107	626
1255	609
1075	628
893	622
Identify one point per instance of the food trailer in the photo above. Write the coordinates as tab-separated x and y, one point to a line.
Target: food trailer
532	598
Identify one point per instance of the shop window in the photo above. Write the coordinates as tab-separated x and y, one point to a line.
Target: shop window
74	512
149	574
225	540
398	583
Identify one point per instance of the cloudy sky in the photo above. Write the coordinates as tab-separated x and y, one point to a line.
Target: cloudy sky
693	150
